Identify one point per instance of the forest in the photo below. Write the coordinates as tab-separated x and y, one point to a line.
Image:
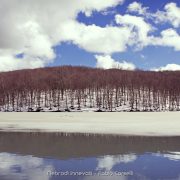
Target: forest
68	88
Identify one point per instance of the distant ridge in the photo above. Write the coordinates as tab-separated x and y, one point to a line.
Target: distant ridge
78	88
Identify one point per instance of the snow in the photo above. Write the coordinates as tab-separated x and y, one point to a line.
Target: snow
88	102
117	123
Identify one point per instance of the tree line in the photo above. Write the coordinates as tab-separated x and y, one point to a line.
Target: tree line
69	88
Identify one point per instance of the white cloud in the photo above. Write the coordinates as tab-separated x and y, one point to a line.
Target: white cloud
168	67
169	38
170	14
34	27
106	62
9	62
108	162
137	8
98	5
173	14
139	28
97	39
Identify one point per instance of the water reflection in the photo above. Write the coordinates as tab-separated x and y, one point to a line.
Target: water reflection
173	156
17	167
108	162
32	156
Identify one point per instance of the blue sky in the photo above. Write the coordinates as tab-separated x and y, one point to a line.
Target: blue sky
129	34
147	58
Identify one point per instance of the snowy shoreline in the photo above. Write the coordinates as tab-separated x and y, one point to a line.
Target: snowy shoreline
137	124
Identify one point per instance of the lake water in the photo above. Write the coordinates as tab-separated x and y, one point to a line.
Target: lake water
51	156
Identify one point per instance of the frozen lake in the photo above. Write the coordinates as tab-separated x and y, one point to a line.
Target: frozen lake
51	156
137	123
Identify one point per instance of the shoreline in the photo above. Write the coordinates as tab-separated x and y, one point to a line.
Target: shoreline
121	124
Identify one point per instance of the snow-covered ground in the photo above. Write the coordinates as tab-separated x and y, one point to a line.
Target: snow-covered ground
95	101
137	123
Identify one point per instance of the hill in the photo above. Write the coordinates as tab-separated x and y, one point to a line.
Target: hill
68	88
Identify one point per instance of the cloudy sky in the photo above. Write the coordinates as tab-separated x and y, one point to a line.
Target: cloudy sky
127	34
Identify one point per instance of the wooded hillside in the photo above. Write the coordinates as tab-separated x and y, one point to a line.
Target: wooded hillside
70	88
